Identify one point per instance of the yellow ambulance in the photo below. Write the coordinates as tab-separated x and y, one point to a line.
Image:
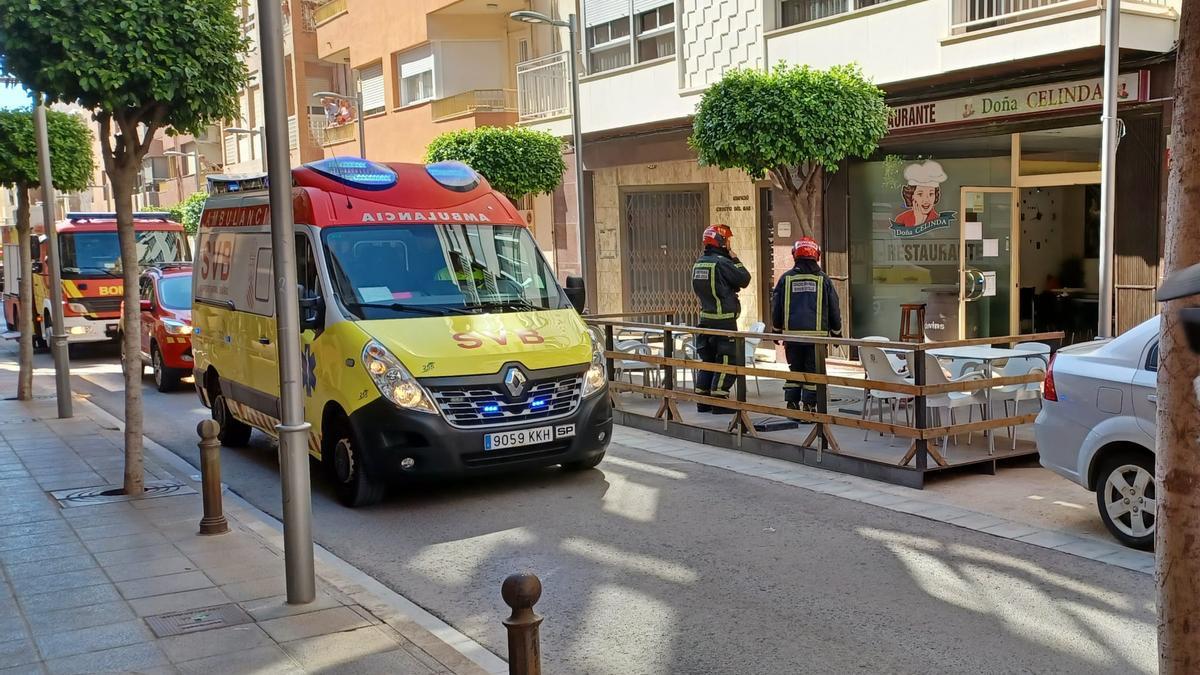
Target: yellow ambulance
435	339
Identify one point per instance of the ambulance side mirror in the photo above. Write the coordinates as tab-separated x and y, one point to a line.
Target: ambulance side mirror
312	311
1181	284
576	293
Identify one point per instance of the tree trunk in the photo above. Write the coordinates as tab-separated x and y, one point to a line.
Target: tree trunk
25	310
1177	536
123	175
803	187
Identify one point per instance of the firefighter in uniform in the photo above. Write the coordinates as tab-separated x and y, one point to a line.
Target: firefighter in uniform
804	303
717	277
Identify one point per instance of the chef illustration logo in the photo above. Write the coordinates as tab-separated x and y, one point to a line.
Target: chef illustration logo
922	192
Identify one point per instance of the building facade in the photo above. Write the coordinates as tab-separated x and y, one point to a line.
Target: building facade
981	202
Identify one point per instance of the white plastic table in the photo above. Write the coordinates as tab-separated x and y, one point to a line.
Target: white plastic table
986	355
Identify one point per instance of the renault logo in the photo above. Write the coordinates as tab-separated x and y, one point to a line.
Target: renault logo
514	381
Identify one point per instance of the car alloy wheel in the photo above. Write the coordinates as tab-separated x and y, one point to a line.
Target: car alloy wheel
343	461
157	366
1130	500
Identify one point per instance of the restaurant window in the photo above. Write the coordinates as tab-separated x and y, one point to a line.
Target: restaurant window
1065	150
904	229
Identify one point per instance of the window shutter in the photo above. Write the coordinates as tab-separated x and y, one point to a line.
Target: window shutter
372	88
597	12
640	6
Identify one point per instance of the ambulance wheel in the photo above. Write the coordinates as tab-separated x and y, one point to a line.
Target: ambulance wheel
234	433
165	379
353	481
584	464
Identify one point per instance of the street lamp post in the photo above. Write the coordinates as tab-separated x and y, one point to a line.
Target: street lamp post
292	429
261	132
576	126
195	155
58	336
358	114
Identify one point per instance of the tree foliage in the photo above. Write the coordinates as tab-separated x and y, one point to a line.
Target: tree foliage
794	123
142	66
515	160
188	211
71	161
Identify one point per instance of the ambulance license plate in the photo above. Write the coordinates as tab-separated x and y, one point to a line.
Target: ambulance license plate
515	439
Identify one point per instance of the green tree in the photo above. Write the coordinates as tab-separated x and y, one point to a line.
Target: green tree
71	167
141	66
188	211
514	160
796	124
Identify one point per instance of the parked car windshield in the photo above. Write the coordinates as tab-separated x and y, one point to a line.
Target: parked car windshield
423	270
175	291
98	253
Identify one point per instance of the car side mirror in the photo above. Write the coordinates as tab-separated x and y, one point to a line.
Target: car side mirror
1181	284
312	311
145	305
37	267
576	293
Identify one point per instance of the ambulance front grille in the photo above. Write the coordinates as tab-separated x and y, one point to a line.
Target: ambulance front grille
487	406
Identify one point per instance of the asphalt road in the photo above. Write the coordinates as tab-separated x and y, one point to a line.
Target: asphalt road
656	565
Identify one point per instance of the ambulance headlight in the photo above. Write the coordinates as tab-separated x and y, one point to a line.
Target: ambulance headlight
393	380
596	377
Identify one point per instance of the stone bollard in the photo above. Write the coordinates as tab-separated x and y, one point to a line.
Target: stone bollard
213	521
521	593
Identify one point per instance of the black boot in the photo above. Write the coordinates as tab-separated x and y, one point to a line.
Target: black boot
703	408
793	405
721	410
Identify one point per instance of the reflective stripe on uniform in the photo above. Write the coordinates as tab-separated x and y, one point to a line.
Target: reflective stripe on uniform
711	315
787	299
721	376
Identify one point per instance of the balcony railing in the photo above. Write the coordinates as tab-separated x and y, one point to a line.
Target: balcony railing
475	101
316	129
543	87
328	10
796	12
293	133
972	15
342	134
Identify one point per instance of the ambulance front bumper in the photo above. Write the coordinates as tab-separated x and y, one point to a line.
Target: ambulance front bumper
437	449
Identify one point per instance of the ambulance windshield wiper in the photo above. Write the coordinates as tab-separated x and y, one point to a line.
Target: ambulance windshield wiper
428	310
519	304
86	268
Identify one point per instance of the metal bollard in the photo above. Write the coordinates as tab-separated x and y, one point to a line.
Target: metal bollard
521	592
213	521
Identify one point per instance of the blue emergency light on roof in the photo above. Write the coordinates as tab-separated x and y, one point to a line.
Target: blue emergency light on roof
453	175
355	172
219	184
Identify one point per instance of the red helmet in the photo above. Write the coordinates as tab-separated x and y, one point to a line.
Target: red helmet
808	248
718	235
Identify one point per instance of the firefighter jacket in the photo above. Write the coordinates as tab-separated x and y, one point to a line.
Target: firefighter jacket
716	279
805	303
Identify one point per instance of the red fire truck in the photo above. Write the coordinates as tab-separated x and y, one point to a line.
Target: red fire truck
90	261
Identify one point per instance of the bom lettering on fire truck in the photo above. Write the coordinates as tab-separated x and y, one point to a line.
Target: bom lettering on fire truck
475	339
111	290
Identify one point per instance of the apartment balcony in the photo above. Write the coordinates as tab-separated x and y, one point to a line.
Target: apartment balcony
473	102
544	88
328	11
943	36
338	135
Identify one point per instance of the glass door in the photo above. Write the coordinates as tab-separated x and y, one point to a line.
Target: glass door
988	260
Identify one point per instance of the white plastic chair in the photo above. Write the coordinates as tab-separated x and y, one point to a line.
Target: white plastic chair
897	361
628	366
1040	348
1015	393
685	348
953	400
751	356
879	368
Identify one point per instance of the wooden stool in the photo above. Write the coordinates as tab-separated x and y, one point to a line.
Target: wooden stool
909	332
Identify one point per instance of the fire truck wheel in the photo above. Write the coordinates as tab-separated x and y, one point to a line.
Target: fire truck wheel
41	335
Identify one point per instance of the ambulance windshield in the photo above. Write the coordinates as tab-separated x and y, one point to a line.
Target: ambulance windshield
427	270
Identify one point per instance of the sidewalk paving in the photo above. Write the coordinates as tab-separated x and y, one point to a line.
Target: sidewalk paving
100	587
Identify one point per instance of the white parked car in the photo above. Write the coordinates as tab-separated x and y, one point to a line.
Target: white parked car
1097	427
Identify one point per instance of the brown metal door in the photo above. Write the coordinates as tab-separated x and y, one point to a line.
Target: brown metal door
663	236
1136	243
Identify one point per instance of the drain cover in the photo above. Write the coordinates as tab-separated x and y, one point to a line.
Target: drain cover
196	620
105	494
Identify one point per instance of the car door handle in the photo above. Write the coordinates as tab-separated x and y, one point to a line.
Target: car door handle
1153	398
264	341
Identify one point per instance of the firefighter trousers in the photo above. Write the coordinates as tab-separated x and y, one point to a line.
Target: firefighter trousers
801	359
716	349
